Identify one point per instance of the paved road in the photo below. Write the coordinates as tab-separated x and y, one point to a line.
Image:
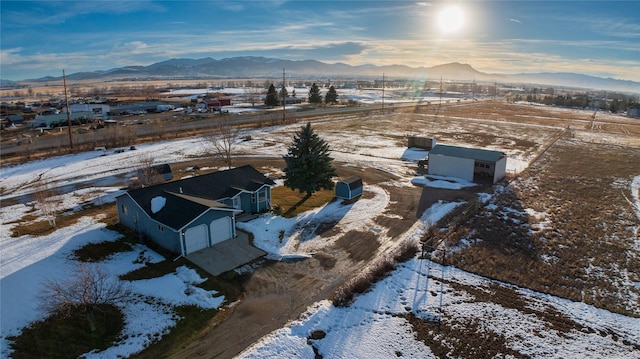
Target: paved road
185	124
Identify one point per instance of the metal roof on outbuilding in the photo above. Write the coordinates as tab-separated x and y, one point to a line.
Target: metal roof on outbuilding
352	182
465	152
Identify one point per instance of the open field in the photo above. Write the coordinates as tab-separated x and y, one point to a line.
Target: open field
564	225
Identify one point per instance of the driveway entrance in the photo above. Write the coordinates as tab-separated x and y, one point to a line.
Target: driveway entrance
226	255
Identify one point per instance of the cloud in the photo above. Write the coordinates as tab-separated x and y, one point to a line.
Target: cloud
516	21
11	56
135	46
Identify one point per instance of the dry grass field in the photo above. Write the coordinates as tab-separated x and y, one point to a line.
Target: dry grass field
564	226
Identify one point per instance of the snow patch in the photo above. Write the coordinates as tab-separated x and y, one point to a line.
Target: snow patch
157	203
442	182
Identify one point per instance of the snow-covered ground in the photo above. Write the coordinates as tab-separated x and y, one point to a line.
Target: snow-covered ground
373	326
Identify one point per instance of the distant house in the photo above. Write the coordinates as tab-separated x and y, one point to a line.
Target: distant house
349	188
290	100
156	174
472	164
16	119
212	104
633	111
191	214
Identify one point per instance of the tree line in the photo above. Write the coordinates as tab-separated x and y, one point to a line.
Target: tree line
614	105
275	98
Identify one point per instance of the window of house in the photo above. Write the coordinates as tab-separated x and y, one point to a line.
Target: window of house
262	196
236	202
253	198
123	209
161	228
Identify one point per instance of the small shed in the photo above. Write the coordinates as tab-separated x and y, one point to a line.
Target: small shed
426	143
349	188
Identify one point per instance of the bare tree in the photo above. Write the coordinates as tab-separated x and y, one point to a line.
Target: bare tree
46	201
252	93
87	287
147	175
221	140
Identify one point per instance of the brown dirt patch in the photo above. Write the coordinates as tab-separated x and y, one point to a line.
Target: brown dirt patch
361	246
465	338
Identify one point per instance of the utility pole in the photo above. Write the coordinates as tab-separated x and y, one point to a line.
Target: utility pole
383	92
284	99
66	101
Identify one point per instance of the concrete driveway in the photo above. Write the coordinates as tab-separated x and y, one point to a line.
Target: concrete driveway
227	255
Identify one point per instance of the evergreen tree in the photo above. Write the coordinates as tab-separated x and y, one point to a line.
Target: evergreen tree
314	94
272	97
331	96
614	106
308	165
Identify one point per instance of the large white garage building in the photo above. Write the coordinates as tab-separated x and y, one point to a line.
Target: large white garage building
472	164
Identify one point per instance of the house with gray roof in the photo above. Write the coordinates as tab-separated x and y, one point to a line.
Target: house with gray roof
195	213
472	164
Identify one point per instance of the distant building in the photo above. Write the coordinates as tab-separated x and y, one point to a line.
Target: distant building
211	104
60	119
99	111
290	100
633	112
425	143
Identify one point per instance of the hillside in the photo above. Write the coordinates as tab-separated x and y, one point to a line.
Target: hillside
262	67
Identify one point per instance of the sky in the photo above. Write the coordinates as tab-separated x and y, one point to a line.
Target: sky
600	38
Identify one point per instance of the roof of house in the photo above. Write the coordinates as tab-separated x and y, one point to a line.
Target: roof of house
465	152
188	198
352	182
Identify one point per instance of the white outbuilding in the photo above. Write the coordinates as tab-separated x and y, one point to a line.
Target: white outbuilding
472	164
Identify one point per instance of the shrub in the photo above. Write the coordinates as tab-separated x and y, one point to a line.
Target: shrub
380	269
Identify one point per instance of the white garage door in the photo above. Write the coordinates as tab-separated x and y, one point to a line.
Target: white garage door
196	238
221	230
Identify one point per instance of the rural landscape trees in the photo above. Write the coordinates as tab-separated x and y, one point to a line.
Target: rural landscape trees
314	94
272	97
332	96
309	167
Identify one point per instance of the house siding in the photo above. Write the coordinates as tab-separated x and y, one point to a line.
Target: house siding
501	169
441	165
132	216
205	219
263	201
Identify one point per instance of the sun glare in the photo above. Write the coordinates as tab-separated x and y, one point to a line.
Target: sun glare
450	19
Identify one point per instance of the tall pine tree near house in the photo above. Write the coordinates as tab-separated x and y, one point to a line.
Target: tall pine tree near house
309	167
314	94
332	96
272	97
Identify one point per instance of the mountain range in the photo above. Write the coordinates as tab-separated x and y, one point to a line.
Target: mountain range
261	67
